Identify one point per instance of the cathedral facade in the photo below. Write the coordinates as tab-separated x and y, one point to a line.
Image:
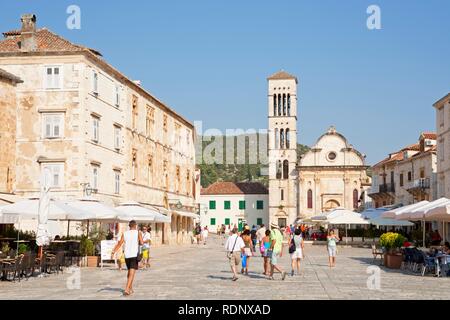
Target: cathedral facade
332	174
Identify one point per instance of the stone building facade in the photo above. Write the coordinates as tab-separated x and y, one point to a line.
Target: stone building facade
442	108
8	83
408	175
95	130
332	174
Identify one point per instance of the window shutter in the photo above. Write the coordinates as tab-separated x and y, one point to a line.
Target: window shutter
56	78
56	175
56	125
48	78
48	126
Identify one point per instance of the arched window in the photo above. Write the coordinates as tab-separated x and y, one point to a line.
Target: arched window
285	169
284	104
310	199
278	169
355	199
288	138
277	139
274	105
279	105
289	104
282	139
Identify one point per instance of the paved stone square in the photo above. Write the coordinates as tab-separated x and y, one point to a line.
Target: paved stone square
202	272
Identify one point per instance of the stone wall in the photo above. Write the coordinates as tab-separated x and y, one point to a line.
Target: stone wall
7	135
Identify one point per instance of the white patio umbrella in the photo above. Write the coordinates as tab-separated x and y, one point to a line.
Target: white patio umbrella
373	212
348	218
326	216
136	211
379	221
419	214
98	211
440	213
42	235
29	210
394	213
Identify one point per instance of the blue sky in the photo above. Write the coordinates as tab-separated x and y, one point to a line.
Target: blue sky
209	59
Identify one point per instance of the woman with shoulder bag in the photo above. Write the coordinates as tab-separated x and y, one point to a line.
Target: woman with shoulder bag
296	246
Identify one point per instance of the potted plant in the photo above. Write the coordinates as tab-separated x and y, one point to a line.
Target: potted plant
392	242
87	250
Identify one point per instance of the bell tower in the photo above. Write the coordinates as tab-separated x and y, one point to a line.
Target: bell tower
283	176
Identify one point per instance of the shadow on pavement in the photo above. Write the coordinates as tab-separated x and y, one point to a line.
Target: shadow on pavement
111	289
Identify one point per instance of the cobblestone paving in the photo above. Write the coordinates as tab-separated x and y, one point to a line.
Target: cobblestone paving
202	272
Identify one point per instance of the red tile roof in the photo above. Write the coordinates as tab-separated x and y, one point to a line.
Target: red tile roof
11	33
46	41
282	75
235	188
429	135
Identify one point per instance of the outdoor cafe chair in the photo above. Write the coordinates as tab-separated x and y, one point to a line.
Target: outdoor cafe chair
13	268
377	252
59	261
428	264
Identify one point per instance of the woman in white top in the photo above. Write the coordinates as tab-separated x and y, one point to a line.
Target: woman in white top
297	255
131	240
205	233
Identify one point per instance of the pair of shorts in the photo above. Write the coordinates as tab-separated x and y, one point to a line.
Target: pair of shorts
145	253
235	259
332	251
132	263
298	254
274	258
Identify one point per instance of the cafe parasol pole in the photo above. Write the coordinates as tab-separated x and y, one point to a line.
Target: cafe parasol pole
42	236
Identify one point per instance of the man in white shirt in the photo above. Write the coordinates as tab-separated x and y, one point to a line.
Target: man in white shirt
146	237
130	240
234	247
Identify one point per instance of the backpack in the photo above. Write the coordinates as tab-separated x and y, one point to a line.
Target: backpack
292	246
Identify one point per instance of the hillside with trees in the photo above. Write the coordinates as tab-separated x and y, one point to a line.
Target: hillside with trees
237	168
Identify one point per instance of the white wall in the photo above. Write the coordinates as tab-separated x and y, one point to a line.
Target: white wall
250	214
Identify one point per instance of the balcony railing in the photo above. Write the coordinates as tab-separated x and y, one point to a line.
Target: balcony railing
423	183
387	187
382	188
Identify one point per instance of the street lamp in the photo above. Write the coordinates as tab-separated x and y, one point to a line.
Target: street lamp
87	190
179	205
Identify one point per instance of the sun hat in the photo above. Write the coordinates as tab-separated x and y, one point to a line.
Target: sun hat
274	225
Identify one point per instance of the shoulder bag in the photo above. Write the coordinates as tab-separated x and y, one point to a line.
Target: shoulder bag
230	253
292	246
139	253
